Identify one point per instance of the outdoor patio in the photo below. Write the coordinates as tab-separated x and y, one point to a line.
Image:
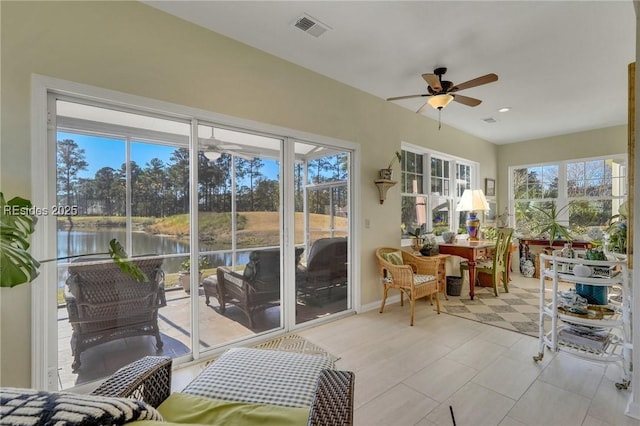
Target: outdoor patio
215	330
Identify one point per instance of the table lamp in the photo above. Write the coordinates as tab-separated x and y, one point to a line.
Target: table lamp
472	201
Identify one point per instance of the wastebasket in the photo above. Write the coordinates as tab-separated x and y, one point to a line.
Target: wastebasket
454	285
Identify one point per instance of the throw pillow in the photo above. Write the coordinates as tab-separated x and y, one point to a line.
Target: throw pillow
394	257
32	407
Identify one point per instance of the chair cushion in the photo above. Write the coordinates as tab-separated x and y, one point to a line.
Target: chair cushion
393	257
486	263
261	376
182	408
30	407
420	279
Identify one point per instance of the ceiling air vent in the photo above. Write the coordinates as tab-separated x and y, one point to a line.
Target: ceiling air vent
311	25
489	120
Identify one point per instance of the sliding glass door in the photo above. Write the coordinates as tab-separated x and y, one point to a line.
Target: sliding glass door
240	234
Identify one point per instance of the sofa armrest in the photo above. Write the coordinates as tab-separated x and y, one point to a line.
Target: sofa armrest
333	400
147	379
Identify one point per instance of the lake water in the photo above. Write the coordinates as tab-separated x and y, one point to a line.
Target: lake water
83	242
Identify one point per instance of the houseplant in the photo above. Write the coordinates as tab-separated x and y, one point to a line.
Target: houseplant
547	223
387	173
184	276
417	238
17	266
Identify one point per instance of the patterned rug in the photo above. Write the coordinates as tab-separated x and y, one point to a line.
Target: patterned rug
517	310
294	343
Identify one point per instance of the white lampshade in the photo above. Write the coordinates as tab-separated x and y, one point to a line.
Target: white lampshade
440	101
472	200
212	155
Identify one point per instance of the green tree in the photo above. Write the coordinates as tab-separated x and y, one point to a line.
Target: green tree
70	162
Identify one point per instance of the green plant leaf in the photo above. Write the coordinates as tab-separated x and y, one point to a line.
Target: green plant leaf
17	266
121	259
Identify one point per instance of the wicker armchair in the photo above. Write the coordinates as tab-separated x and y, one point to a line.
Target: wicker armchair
414	276
105	304
149	380
256	288
326	268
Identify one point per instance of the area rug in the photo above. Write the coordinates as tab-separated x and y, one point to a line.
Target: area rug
517	310
295	343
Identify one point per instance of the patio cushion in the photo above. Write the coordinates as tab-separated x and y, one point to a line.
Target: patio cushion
393	257
261	376
420	279
33	407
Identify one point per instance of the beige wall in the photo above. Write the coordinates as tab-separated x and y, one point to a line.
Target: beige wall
132	48
593	143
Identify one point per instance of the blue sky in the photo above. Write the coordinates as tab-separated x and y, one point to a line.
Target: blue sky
102	152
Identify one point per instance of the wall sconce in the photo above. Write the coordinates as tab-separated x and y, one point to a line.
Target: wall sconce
383	186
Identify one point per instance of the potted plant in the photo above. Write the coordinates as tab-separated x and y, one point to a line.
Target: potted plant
184	276
387	173
417	238
429	246
547	222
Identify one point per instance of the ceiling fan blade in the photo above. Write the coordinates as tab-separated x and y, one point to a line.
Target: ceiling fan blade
489	78
397	98
433	81
422	108
466	100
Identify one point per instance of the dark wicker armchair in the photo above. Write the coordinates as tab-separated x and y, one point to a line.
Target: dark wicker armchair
326	267
257	287
106	304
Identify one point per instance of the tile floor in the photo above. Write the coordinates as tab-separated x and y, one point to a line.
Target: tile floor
412	375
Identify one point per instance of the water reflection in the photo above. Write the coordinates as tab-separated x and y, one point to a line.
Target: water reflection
74	243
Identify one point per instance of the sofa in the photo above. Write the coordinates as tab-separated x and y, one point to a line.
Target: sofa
244	386
105	303
254	289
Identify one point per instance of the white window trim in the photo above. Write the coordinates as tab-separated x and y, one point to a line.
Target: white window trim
563	197
453	161
43	351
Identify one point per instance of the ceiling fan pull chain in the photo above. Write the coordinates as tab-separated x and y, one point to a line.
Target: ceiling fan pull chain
439	119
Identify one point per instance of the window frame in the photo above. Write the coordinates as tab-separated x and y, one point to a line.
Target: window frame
563	198
453	196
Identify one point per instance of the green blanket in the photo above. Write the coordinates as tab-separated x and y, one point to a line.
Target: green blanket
181	408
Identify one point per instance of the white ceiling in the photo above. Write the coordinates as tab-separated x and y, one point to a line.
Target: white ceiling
562	65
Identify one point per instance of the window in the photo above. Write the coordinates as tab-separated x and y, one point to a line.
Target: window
431	185
593	190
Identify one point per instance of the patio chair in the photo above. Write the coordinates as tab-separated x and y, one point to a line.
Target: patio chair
326	267
498	265
256	288
413	276
105	304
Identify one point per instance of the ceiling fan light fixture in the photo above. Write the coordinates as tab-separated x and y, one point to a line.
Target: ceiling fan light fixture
212	155
440	101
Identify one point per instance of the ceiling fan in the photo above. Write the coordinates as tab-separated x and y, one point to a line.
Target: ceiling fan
214	148
442	92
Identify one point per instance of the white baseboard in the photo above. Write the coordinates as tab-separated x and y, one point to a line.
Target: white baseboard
376	305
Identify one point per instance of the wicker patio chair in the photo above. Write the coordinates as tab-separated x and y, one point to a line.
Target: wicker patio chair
326	268
105	304
413	276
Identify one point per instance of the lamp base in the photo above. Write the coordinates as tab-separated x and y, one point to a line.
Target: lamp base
473	226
